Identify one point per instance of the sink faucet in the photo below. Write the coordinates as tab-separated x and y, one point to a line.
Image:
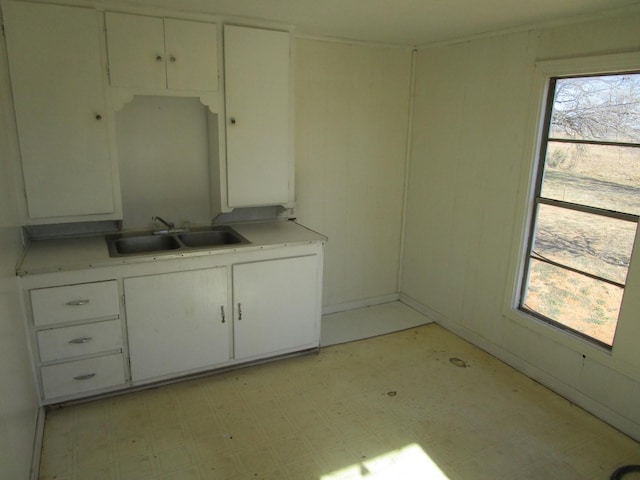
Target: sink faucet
169	225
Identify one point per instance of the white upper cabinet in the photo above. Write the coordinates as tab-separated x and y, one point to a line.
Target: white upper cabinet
57	81
161	53
192	55
258	103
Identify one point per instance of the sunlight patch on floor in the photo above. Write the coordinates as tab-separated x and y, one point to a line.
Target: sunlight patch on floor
410	462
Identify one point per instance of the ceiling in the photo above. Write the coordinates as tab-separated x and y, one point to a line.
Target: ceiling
402	22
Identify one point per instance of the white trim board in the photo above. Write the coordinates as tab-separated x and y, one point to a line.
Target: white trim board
363	302
38	438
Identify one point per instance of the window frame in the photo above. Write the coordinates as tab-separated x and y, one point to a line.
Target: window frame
538	200
544	71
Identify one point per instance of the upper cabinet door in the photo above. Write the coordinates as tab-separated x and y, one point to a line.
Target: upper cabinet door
136	51
257	95
192	55
58	92
157	53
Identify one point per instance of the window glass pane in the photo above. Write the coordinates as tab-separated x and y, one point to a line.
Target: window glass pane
580	255
590	243
581	303
603	108
602	176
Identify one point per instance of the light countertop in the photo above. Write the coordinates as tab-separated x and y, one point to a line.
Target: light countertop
64	254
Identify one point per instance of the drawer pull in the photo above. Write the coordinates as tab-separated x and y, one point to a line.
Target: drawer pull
86	376
77	303
81	340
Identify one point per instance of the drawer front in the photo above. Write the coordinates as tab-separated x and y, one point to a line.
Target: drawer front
65	342
82	376
75	302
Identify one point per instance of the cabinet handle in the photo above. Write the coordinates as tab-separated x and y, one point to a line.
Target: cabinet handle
81	340
86	376
222	313
172	59
158	58
77	303
98	117
239	311
233	120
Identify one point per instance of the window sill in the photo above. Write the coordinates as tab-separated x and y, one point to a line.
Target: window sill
560	336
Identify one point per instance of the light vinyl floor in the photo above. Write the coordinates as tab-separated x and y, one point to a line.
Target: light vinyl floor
367	322
391	407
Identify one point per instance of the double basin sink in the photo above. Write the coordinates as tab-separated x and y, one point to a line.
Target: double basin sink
124	244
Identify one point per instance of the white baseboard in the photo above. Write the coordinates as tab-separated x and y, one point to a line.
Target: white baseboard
552	383
38	438
419	307
365	302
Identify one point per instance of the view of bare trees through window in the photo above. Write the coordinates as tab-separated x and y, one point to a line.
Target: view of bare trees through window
587	204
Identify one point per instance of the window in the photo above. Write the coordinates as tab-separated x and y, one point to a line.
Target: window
586	205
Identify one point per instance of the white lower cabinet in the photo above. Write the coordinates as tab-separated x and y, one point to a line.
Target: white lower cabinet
275	306
78	339
180	322
105	329
82	376
68	303
176	322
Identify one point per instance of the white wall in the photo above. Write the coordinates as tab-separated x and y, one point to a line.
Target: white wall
352	104
163	156
469	176
18	403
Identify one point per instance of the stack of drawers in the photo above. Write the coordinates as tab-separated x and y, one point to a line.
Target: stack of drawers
79	339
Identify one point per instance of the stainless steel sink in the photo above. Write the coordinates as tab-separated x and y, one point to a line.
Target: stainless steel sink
145	244
149	243
211	238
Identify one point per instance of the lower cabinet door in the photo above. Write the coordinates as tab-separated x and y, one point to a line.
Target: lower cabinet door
176	322
275	306
81	376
